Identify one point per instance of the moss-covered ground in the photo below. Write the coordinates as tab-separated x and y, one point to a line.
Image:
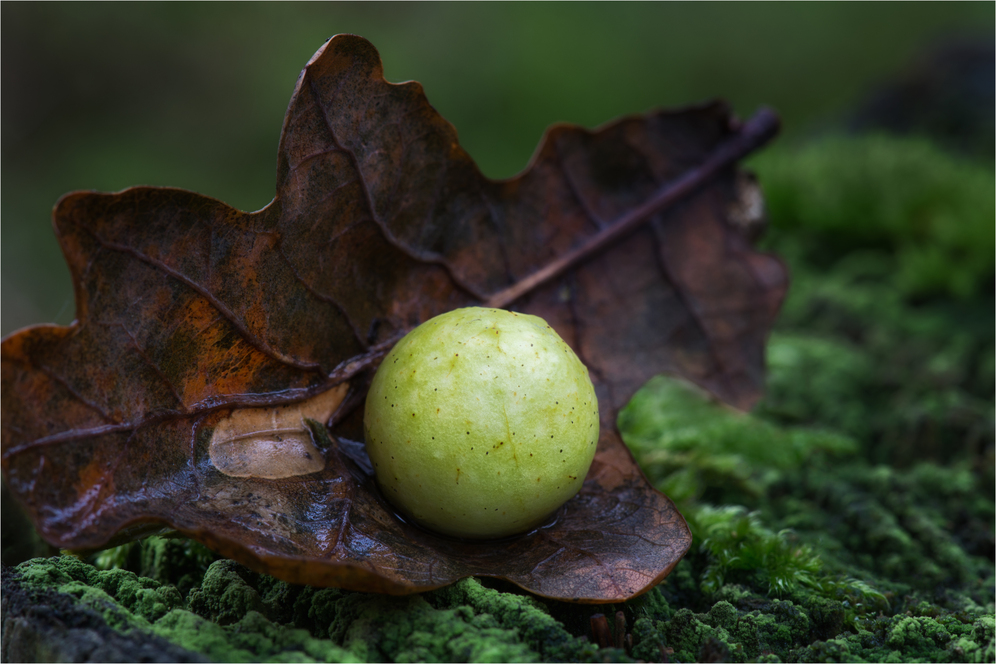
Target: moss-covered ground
848	518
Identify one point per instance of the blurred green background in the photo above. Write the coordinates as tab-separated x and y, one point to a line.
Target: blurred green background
106	96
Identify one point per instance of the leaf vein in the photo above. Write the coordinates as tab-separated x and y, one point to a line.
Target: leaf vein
424	257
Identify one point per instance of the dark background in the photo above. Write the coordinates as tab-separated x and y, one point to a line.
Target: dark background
106	96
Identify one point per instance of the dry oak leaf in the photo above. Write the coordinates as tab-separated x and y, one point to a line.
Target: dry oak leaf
213	379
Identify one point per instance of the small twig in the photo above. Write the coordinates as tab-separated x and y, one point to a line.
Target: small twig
753	134
620	629
345	371
600	630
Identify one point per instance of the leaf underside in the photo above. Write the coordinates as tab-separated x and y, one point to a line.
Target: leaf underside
189	310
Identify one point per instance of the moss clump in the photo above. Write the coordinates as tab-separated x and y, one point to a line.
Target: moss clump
737	541
253	638
133	604
125	599
168	559
926	211
697	450
524	615
235	614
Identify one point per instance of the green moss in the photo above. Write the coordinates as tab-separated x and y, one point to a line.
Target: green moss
523	614
175	560
413	631
862	484
743	635
903	639
252	639
930	211
860	488
887	334
686	634
129	602
190	631
100	590
898	527
694	449
736	541
649	640
905	380
826	521
238	615
697	451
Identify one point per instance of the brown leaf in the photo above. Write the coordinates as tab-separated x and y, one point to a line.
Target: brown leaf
208	339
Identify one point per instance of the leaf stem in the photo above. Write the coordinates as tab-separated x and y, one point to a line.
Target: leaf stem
753	134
